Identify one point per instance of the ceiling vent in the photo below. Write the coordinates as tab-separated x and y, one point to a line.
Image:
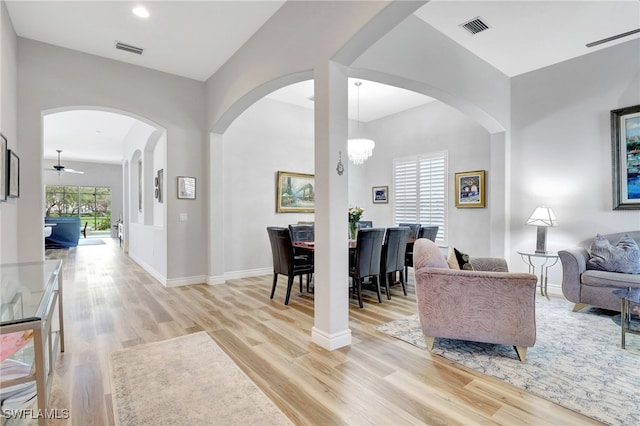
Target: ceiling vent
129	48
475	25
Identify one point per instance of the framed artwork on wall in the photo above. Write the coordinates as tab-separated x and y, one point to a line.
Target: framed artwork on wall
625	157
14	174
139	185
295	193
158	181
186	188
470	189
3	167
380	194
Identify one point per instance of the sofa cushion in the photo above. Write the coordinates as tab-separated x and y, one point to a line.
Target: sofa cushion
609	279
624	257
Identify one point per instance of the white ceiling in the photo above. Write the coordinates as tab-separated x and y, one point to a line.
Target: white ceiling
194	38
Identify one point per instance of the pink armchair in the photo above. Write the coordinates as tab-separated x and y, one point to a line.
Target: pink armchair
480	306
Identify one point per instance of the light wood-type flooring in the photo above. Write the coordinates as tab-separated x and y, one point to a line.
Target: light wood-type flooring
111	303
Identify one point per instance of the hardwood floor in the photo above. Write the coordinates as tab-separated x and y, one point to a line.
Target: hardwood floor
111	303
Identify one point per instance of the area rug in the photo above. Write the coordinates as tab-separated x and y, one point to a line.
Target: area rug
187	380
90	242
576	361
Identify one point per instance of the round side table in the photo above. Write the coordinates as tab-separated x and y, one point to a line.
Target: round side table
548	259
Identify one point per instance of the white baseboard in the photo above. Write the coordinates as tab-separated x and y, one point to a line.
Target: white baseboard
179	282
331	341
221	279
154	273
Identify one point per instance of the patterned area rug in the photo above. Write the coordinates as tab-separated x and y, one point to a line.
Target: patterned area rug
187	380
576	361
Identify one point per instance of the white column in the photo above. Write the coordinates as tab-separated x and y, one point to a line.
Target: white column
216	210
331	298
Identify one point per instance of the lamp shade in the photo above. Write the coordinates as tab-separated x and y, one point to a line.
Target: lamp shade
542	216
360	149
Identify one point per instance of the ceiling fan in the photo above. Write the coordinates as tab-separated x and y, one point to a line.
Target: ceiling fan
60	169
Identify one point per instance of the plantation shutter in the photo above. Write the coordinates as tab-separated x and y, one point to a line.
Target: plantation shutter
420	190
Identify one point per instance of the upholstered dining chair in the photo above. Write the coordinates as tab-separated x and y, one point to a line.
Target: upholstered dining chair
393	256
408	258
366	261
284	261
302	232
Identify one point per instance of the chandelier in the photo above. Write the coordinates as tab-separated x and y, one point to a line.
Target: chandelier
359	149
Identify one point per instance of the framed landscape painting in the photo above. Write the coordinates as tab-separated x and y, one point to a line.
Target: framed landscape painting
470	189
3	167
625	157
295	193
14	174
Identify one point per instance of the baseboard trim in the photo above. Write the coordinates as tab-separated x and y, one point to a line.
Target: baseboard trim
179	282
154	273
221	279
331	341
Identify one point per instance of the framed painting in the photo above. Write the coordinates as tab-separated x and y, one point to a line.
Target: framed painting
295	193
139	185
186	188
3	167
470	189
625	157
380	194
13	181
159	182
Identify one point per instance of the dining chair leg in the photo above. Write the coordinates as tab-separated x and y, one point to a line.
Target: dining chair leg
359	290
300	283
406	271
403	279
388	278
376	279
289	285
273	287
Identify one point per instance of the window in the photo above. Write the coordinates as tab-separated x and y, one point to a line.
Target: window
92	204
420	190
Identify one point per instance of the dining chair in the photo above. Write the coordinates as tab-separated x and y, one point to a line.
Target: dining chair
393	256
366	260
408	258
429	232
302	232
285	262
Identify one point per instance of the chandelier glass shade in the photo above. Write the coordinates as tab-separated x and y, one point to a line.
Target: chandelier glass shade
359	149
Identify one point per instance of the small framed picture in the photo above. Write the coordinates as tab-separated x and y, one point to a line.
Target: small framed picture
380	194
470	189
186	188
14	175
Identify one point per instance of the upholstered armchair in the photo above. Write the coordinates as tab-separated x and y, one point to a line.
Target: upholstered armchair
490	306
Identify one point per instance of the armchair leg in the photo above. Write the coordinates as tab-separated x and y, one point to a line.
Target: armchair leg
429	340
273	288
578	306
522	353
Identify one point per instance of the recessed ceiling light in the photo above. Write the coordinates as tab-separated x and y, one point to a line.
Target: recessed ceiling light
140	12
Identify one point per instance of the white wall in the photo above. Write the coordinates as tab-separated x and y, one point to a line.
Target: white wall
95	174
51	77
268	137
8	122
562	146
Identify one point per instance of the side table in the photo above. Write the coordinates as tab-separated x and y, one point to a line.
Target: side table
548	260
630	295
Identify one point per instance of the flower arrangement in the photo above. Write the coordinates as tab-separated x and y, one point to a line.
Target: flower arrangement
355	213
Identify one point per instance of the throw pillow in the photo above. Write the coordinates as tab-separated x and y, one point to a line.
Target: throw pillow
463	260
452	261
624	257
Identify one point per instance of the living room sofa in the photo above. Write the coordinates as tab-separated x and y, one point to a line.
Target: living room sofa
584	286
490	305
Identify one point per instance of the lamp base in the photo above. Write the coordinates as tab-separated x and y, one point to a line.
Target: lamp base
541	241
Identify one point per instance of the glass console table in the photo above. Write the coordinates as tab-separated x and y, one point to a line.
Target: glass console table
31	300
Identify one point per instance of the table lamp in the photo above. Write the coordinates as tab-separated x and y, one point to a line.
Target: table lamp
542	217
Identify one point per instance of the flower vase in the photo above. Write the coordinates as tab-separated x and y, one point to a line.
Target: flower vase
353	230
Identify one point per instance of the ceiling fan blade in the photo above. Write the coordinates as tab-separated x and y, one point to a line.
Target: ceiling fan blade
73	171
